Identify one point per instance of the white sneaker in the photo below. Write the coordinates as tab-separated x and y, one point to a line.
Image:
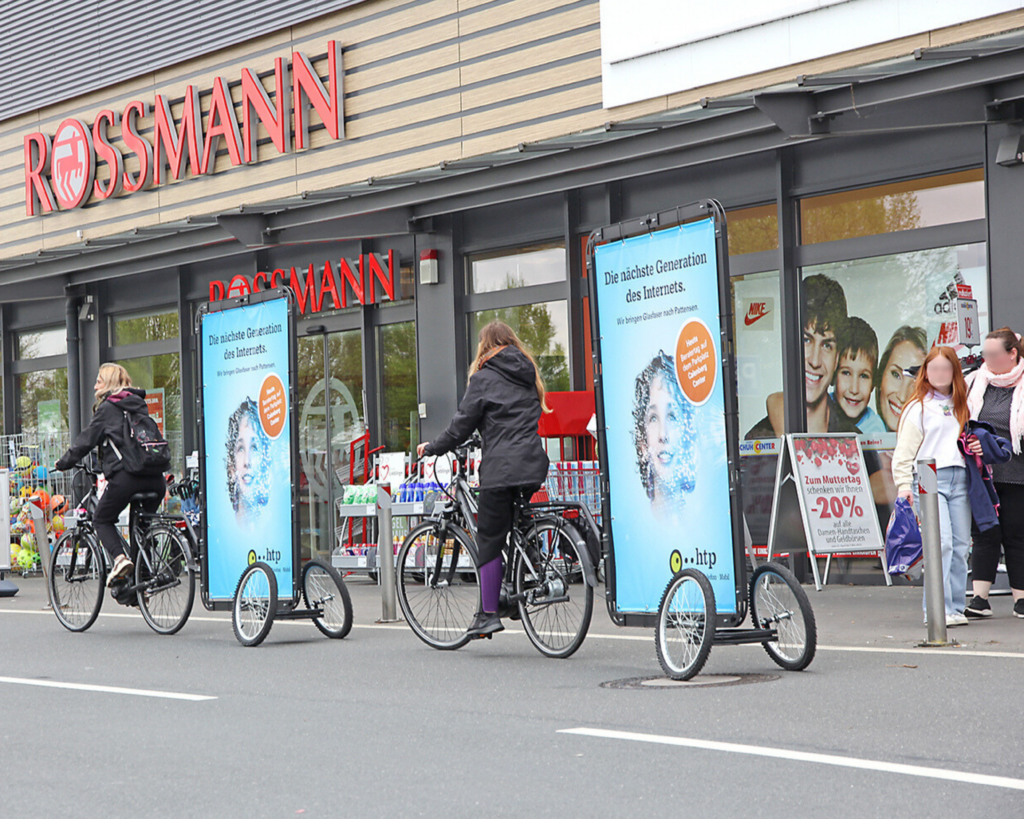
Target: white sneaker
956	619
122	567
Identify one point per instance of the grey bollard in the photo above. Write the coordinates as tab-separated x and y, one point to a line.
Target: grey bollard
931	546
386	557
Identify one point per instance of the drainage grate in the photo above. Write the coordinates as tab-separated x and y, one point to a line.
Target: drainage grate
700	681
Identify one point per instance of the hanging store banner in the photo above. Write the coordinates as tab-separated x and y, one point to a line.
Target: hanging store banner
664	413
247	435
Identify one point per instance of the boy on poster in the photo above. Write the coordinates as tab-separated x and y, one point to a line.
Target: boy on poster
664	413
247	433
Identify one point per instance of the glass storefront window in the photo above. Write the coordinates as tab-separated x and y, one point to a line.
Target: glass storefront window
544	330
138	328
396	346
43	402
917	203
757	331
875	317
752	230
160	377
505	270
42	343
335	386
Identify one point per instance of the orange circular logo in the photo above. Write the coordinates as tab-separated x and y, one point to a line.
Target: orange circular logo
273	405
696	361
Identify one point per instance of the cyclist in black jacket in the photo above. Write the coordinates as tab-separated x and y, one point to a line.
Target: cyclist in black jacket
504	400
113	390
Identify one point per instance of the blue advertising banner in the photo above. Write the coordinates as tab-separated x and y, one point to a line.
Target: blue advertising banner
247	431
664	413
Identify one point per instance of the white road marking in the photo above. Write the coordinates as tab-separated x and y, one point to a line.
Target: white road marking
646	637
803	756
108	689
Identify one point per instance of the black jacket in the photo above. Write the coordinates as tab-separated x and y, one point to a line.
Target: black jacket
107	425
501	401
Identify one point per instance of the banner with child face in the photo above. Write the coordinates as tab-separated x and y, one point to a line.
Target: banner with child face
247	431
664	413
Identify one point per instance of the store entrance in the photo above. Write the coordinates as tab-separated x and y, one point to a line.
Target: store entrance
330	409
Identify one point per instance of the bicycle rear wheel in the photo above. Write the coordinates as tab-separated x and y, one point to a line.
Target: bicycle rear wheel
686	624
166	585
555	600
77	577
255	604
777	601
438	586
323	586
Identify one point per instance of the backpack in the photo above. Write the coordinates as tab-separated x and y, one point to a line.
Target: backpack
146	452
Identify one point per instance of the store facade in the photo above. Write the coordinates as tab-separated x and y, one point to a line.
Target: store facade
442	189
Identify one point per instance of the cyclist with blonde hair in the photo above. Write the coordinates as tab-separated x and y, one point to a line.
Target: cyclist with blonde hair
504	400
115	396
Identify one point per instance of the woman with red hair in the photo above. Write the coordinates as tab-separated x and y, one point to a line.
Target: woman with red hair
930	427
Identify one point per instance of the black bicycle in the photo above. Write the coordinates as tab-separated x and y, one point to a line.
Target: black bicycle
549	576
164	585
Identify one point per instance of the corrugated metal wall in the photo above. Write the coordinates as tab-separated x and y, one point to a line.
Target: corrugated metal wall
52	50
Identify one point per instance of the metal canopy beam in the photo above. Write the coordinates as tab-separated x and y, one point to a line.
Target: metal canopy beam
1005	65
717	132
248	228
394	222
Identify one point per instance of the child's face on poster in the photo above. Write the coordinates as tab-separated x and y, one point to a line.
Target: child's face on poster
663	424
245	456
853	383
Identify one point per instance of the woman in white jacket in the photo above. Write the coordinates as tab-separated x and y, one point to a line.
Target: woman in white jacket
930	427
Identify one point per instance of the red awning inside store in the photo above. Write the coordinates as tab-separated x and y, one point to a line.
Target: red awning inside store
570	414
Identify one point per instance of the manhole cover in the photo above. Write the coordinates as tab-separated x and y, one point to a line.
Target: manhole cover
700	681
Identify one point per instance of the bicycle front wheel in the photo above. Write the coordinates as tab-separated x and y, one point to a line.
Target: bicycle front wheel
255	604
77	577
555	600
323	587
686	624
438	586
778	602
166	585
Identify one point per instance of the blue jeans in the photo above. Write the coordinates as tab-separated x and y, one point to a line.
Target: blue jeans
955	533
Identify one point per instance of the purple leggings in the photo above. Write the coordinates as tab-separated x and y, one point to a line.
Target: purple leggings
490	585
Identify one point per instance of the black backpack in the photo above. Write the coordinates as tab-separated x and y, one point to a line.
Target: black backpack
146	452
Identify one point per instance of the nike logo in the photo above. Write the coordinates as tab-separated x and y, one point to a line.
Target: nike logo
757	311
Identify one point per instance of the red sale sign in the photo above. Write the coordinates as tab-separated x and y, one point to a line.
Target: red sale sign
835	493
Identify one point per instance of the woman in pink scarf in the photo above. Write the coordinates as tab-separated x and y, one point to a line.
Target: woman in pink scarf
996	396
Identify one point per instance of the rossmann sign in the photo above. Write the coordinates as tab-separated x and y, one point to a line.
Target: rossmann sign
60	170
315	289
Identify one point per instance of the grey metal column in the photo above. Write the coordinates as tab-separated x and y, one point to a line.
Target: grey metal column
790	307
790	313
931	545
574	276
9	391
74	369
440	333
186	331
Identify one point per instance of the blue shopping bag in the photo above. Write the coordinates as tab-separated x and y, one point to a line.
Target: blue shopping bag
903	541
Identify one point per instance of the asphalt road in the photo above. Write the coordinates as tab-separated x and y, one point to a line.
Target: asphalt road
380	725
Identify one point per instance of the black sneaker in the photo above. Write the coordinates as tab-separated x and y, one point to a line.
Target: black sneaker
485	624
978	608
1018	608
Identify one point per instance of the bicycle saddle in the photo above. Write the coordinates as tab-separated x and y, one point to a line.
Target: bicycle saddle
142	497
